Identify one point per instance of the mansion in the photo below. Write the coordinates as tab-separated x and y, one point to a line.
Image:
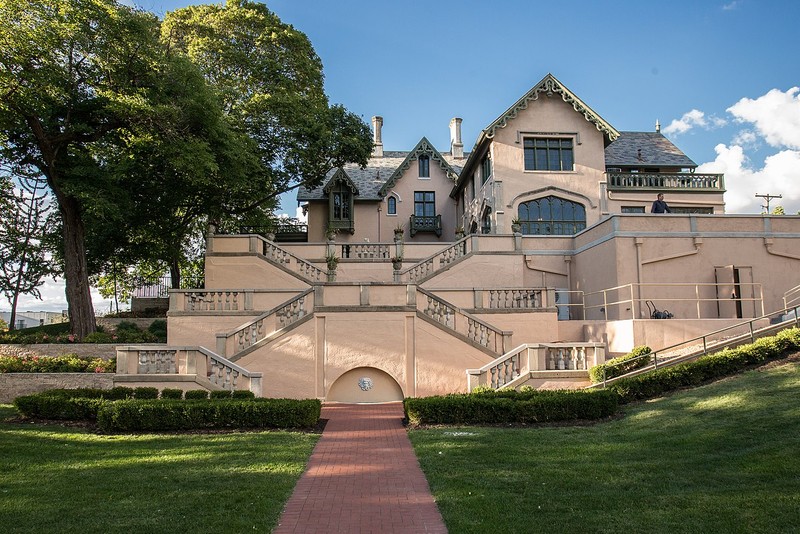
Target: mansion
523	262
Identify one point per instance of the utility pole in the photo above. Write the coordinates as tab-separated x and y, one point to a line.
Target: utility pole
768	197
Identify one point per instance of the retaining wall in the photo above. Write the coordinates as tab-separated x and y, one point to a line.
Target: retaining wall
13	385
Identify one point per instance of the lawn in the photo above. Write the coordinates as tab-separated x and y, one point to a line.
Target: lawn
56	479
720	458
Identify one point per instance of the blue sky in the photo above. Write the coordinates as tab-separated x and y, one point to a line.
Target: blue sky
722	77
688	64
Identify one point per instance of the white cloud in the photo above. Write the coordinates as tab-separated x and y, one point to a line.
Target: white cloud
780	175
301	215
775	115
731	5
746	139
692	119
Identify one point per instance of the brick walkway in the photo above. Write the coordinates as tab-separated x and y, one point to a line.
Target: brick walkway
363	477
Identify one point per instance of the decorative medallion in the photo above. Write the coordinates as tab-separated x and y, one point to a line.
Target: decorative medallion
365	383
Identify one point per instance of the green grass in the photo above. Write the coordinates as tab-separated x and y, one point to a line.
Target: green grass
720	458
57	479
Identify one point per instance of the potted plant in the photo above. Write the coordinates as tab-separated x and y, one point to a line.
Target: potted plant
398	232
516	225
330	233
332	261
397	262
460	232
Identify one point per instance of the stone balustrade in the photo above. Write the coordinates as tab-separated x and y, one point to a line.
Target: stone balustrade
518	363
280	256
465	324
252	332
164	364
674	181
366	251
440	260
513	298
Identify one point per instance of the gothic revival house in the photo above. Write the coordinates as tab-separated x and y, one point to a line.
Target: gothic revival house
523	262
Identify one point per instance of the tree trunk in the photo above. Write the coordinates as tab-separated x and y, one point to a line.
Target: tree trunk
175	274
76	272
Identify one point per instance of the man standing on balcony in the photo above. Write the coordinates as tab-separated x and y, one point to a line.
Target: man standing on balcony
659	206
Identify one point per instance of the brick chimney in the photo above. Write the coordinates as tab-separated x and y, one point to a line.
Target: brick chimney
377	124
456	146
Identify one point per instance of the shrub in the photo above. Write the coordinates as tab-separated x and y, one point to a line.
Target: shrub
159	329
195	394
168	393
635	359
136	415
224	394
145	393
63	404
510	406
69	363
243	394
119	393
98	337
706	368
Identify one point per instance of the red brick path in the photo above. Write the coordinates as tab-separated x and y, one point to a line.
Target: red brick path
362	477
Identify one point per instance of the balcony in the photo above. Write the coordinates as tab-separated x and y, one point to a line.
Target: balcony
432	223
678	181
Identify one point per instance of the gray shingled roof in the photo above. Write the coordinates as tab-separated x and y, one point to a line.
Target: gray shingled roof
657	151
370	180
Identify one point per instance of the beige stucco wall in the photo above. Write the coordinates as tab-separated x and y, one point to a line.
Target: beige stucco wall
371	218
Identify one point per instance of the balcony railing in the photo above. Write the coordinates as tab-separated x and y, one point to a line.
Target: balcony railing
431	223
681	181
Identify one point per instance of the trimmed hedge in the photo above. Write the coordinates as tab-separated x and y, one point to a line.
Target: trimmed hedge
706	368
130	414
195	394
511	407
635	359
133	415
169	393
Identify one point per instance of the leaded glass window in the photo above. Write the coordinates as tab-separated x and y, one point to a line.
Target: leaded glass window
551	216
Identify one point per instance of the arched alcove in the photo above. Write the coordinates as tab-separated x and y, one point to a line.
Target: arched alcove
365	384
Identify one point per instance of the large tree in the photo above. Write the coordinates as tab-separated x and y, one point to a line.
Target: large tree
91	97
270	81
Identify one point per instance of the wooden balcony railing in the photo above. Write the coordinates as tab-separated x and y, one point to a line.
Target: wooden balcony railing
679	181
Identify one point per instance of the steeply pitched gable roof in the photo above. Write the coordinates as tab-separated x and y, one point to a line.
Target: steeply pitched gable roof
340	176
370	181
549	86
424	147
645	149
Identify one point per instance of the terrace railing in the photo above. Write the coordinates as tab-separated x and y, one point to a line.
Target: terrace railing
438	261
516	365
232	343
462	323
174	362
673	181
280	256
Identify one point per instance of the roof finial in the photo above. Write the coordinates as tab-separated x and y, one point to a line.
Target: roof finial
658	126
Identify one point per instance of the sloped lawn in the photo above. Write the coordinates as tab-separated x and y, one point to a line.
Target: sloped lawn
724	458
56	479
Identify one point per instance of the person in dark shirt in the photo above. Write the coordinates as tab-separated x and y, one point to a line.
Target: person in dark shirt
659	206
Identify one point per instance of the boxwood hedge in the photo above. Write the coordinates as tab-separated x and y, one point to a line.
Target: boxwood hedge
131	414
511	407
717	365
635	359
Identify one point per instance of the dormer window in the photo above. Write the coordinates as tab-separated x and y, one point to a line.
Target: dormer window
424	167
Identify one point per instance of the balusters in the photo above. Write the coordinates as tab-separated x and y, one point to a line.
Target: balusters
157	362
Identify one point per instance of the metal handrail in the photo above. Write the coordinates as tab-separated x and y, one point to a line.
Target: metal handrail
751	334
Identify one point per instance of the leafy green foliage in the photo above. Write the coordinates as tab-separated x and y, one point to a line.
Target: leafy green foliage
145	393
57	333
635	359
196	394
70	363
720	364
170	393
511	407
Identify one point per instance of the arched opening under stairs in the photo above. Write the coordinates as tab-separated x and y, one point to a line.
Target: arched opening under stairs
365	385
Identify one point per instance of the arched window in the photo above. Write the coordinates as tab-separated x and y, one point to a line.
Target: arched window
551	216
391	206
